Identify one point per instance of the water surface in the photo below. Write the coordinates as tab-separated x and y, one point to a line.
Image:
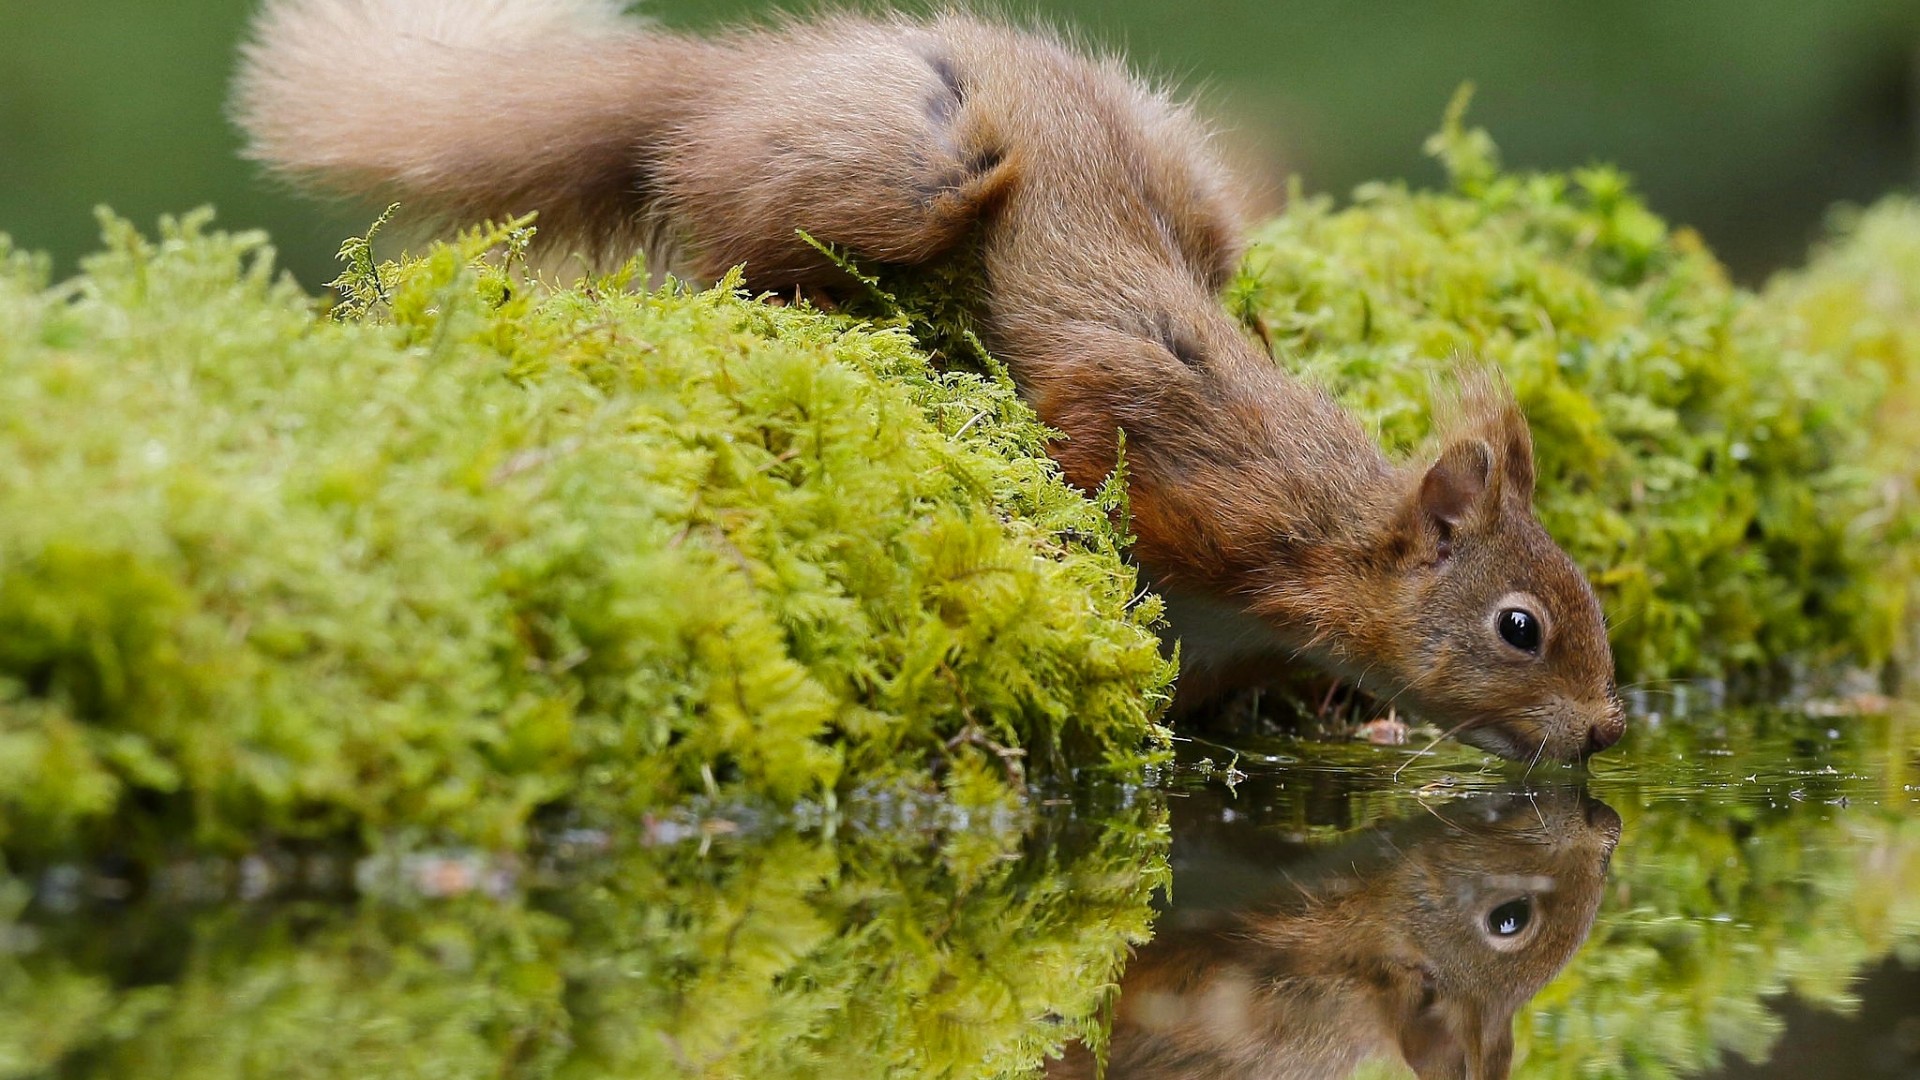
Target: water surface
1735	894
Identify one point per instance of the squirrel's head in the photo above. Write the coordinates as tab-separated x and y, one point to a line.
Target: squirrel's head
1498	635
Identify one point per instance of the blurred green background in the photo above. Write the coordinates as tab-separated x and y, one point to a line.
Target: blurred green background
1744	118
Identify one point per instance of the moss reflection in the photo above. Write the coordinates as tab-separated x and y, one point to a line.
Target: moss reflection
1764	853
926	942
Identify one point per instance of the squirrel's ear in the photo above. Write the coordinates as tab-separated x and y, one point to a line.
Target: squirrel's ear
1431	1047
1457	483
1495	1053
1448	1040
1516	458
1484	407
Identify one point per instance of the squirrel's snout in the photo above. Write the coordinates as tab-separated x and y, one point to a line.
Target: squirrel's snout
1597	740
1604	734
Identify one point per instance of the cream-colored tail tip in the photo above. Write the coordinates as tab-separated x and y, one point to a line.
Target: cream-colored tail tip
347	92
456	24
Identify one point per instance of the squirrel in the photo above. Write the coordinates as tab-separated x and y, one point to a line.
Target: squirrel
1416	941
1104	224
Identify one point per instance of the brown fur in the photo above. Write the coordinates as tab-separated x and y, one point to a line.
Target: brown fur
1105	225
1379	949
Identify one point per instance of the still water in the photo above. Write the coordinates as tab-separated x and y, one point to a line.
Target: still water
1732	894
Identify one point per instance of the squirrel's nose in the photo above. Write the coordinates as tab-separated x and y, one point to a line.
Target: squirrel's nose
1604	734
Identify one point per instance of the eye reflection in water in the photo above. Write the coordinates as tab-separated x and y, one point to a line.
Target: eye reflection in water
1414	941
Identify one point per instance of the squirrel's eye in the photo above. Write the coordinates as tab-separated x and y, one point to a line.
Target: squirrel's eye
1510	918
1520	629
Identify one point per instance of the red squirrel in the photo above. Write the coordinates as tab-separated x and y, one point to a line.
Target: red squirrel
1104	224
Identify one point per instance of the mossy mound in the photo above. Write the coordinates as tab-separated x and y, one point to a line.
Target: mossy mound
487	546
500	546
1706	453
1859	299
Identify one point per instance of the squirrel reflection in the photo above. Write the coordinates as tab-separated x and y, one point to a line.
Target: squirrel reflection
1417	940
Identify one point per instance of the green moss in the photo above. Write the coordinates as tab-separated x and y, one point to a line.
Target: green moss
1702	454
497	546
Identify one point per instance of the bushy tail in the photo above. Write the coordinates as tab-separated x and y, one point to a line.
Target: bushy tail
466	108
